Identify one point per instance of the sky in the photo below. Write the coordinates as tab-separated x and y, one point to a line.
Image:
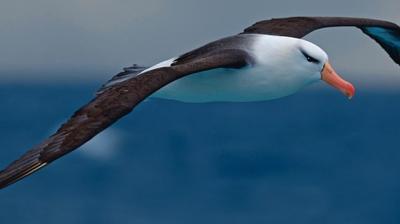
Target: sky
84	40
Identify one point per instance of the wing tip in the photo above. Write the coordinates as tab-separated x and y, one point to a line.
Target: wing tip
12	175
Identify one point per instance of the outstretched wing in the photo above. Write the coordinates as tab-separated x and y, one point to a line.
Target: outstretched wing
108	106
387	34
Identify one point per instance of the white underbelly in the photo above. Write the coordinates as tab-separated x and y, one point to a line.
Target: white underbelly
231	85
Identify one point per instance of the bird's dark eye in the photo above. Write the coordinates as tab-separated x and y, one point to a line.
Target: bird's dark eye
309	58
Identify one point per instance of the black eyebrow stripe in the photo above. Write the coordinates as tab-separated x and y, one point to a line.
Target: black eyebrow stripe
313	60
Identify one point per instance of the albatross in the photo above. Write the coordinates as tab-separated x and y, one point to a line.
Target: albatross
268	60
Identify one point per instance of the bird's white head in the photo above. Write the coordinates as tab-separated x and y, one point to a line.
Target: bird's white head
297	63
316	61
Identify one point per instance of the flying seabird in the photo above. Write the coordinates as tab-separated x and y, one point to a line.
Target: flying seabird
267	60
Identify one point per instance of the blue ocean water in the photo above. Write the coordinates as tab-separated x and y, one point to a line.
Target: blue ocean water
314	157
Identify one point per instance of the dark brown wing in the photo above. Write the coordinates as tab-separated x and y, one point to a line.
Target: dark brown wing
387	34
239	42
110	105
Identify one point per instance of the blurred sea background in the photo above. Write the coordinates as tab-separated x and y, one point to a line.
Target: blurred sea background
314	157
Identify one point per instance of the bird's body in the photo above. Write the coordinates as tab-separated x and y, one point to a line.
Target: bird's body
267	60
270	75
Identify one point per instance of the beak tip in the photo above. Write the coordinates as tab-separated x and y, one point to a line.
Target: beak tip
350	91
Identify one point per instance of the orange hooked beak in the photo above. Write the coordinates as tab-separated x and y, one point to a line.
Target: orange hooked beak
332	78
